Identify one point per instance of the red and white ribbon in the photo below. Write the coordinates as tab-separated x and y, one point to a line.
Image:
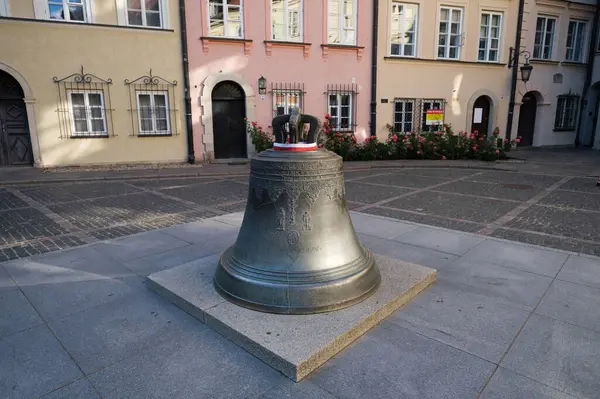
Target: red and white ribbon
295	147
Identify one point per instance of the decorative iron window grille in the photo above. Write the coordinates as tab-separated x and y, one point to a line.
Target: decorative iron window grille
152	106
410	114
341	106
286	96
566	112
84	106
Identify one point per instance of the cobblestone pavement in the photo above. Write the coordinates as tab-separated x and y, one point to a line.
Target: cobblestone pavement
543	208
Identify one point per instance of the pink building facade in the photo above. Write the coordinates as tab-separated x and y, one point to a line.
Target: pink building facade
315	54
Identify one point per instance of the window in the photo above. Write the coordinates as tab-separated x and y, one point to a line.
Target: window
544	38
404	29
566	112
341	22
225	18
285	100
144	13
4	10
450	35
489	36
427	105
153	113
67	10
341	108
286	20
403	115
88	118
575	41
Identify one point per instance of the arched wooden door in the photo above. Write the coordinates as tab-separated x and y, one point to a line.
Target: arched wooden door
481	115
229	127
527	114
15	141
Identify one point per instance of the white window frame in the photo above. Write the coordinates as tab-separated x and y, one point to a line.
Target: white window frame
154	131
90	133
403	113
543	44
4	8
144	24
337	126
403	30
449	33
342	30
581	43
561	118
286	99
286	14
86	5
488	38
433	101
226	19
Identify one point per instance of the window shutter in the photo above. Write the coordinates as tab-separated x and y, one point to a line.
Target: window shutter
121	12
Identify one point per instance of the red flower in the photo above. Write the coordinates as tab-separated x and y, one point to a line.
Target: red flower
254	124
327	116
338	134
439	133
418	152
474	148
341	138
444	157
245	119
497	151
367	140
518	140
434	147
320	145
481	139
476	132
405	137
472	137
259	127
395	138
506	140
431	142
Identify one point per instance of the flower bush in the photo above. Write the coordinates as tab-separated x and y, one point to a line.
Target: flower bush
442	144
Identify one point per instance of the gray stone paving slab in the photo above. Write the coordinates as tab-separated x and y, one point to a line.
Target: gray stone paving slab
569	199
369	194
518	256
572	303
292	390
358	174
201	231
450	173
582	270
508	385
198	363
516	286
126	249
293	344
10	201
405	179
33	363
585	184
440	240
52	194
521	179
109	333
16	313
379	227
491	190
398	363
407	253
480	325
232	219
80	389
6	283
23	224
563	243
432	220
474	209
211	193
570	223
557	354
174	183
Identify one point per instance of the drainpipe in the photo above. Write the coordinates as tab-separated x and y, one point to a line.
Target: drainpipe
186	85
515	71
375	31
589	73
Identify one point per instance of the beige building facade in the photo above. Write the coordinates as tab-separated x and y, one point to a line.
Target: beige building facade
90	82
444	55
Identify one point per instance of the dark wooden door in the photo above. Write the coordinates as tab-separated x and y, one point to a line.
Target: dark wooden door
481	115
15	141
527	113
229	127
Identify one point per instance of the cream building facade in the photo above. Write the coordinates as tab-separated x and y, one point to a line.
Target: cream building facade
444	55
90	82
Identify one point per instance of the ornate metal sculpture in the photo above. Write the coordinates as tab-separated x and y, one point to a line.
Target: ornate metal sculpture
297	251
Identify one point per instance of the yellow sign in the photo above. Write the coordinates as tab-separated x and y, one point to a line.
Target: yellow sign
434	117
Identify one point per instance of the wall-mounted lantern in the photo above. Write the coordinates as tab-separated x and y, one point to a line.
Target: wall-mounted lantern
262	85
526	71
526	68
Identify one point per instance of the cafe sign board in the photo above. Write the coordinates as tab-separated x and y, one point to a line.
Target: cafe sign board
434	117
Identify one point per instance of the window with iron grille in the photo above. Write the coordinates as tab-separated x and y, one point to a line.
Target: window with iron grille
341	106
489	36
68	10
226	18
575	41
410	114
151	100
286	20
286	96
145	13
84	106
544	38
566	112
450	32
428	104
341	22
403	29
404	115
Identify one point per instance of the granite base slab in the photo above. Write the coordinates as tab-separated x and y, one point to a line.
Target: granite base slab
295	345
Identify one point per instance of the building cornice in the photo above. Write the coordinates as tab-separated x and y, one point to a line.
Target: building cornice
85	24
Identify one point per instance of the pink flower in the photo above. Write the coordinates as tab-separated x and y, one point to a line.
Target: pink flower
472	137
338	134
439	133
327	116
418	152
518	140
367	140
406	137
474	148
245	119
259	127
476	132
484	151
506	140
320	145
444	157
431	142
481	139
395	138
434	147
497	151
254	124
341	138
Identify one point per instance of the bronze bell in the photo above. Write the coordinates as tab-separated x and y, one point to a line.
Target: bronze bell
296	251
